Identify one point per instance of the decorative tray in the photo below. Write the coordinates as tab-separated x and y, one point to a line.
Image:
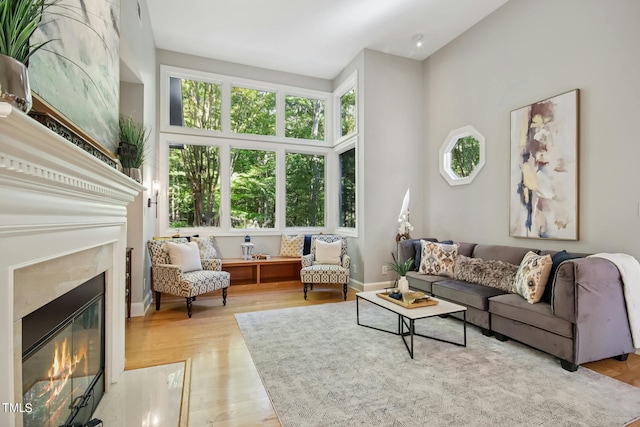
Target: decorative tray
422	302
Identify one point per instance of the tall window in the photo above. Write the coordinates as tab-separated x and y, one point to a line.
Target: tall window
253	188
348	112
304	118
304	190
194	186
253	111
195	104
347	203
245	153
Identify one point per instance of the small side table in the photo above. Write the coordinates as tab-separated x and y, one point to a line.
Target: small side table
127	282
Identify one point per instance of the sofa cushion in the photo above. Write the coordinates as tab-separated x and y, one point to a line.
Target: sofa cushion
465	293
466	249
422	282
438	258
539	315
532	276
496	274
510	254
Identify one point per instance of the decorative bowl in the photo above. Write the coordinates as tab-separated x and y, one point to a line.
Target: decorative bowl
410	297
395	294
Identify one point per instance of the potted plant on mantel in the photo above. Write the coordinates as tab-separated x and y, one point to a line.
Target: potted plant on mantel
132	150
19	19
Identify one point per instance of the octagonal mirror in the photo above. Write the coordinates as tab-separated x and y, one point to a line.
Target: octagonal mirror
462	155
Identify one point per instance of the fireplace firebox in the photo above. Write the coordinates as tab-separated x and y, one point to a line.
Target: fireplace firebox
64	358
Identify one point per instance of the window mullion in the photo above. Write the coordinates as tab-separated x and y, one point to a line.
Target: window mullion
281	208
225	187
280	101
226	107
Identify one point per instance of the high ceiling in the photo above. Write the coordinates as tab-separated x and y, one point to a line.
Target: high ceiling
310	37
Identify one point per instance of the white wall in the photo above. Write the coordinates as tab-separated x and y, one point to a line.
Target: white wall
392	155
525	52
138	98
389	159
183	60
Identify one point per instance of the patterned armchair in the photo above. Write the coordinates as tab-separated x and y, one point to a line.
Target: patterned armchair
169	278
313	272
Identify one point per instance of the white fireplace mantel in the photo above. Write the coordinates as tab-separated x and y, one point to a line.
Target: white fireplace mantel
57	203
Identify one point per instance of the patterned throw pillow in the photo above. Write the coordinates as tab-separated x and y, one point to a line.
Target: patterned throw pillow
492	273
206	247
186	255
291	246
532	276
438	259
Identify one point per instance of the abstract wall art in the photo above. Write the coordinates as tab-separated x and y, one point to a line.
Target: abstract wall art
78	72
543	199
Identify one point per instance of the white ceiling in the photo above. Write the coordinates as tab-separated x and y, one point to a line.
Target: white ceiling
310	37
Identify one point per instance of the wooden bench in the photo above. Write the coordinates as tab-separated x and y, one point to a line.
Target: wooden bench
261	271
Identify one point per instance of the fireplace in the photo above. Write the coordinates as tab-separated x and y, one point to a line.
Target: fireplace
63	360
63	222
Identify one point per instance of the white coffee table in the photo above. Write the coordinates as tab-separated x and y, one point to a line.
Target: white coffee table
410	315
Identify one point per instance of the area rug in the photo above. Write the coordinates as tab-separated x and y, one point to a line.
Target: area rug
321	369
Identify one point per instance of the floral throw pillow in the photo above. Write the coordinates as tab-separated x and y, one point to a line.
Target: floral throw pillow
437	258
532	276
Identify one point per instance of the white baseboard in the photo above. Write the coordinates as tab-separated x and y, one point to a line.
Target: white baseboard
375	286
139	309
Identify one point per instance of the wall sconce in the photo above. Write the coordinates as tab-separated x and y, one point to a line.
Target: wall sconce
156	191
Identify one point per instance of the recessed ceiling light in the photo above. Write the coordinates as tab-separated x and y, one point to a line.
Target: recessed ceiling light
417	39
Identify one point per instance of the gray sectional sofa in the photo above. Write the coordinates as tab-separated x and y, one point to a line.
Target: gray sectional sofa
583	319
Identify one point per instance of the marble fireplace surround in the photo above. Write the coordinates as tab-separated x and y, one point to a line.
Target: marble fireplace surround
63	220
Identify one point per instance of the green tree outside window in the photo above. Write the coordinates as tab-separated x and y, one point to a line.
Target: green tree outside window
304	190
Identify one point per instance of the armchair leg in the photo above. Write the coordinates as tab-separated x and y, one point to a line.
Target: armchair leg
311	286
157	300
189	304
304	288
224	296
344	291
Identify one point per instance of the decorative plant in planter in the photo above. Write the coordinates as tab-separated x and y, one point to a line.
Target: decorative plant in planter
19	19
402	268
133	149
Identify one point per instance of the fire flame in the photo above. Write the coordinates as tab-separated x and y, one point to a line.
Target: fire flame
64	364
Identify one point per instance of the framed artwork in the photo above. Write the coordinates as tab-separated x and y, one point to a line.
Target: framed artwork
78	75
543	200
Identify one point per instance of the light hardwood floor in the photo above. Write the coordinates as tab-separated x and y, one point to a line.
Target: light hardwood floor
226	389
